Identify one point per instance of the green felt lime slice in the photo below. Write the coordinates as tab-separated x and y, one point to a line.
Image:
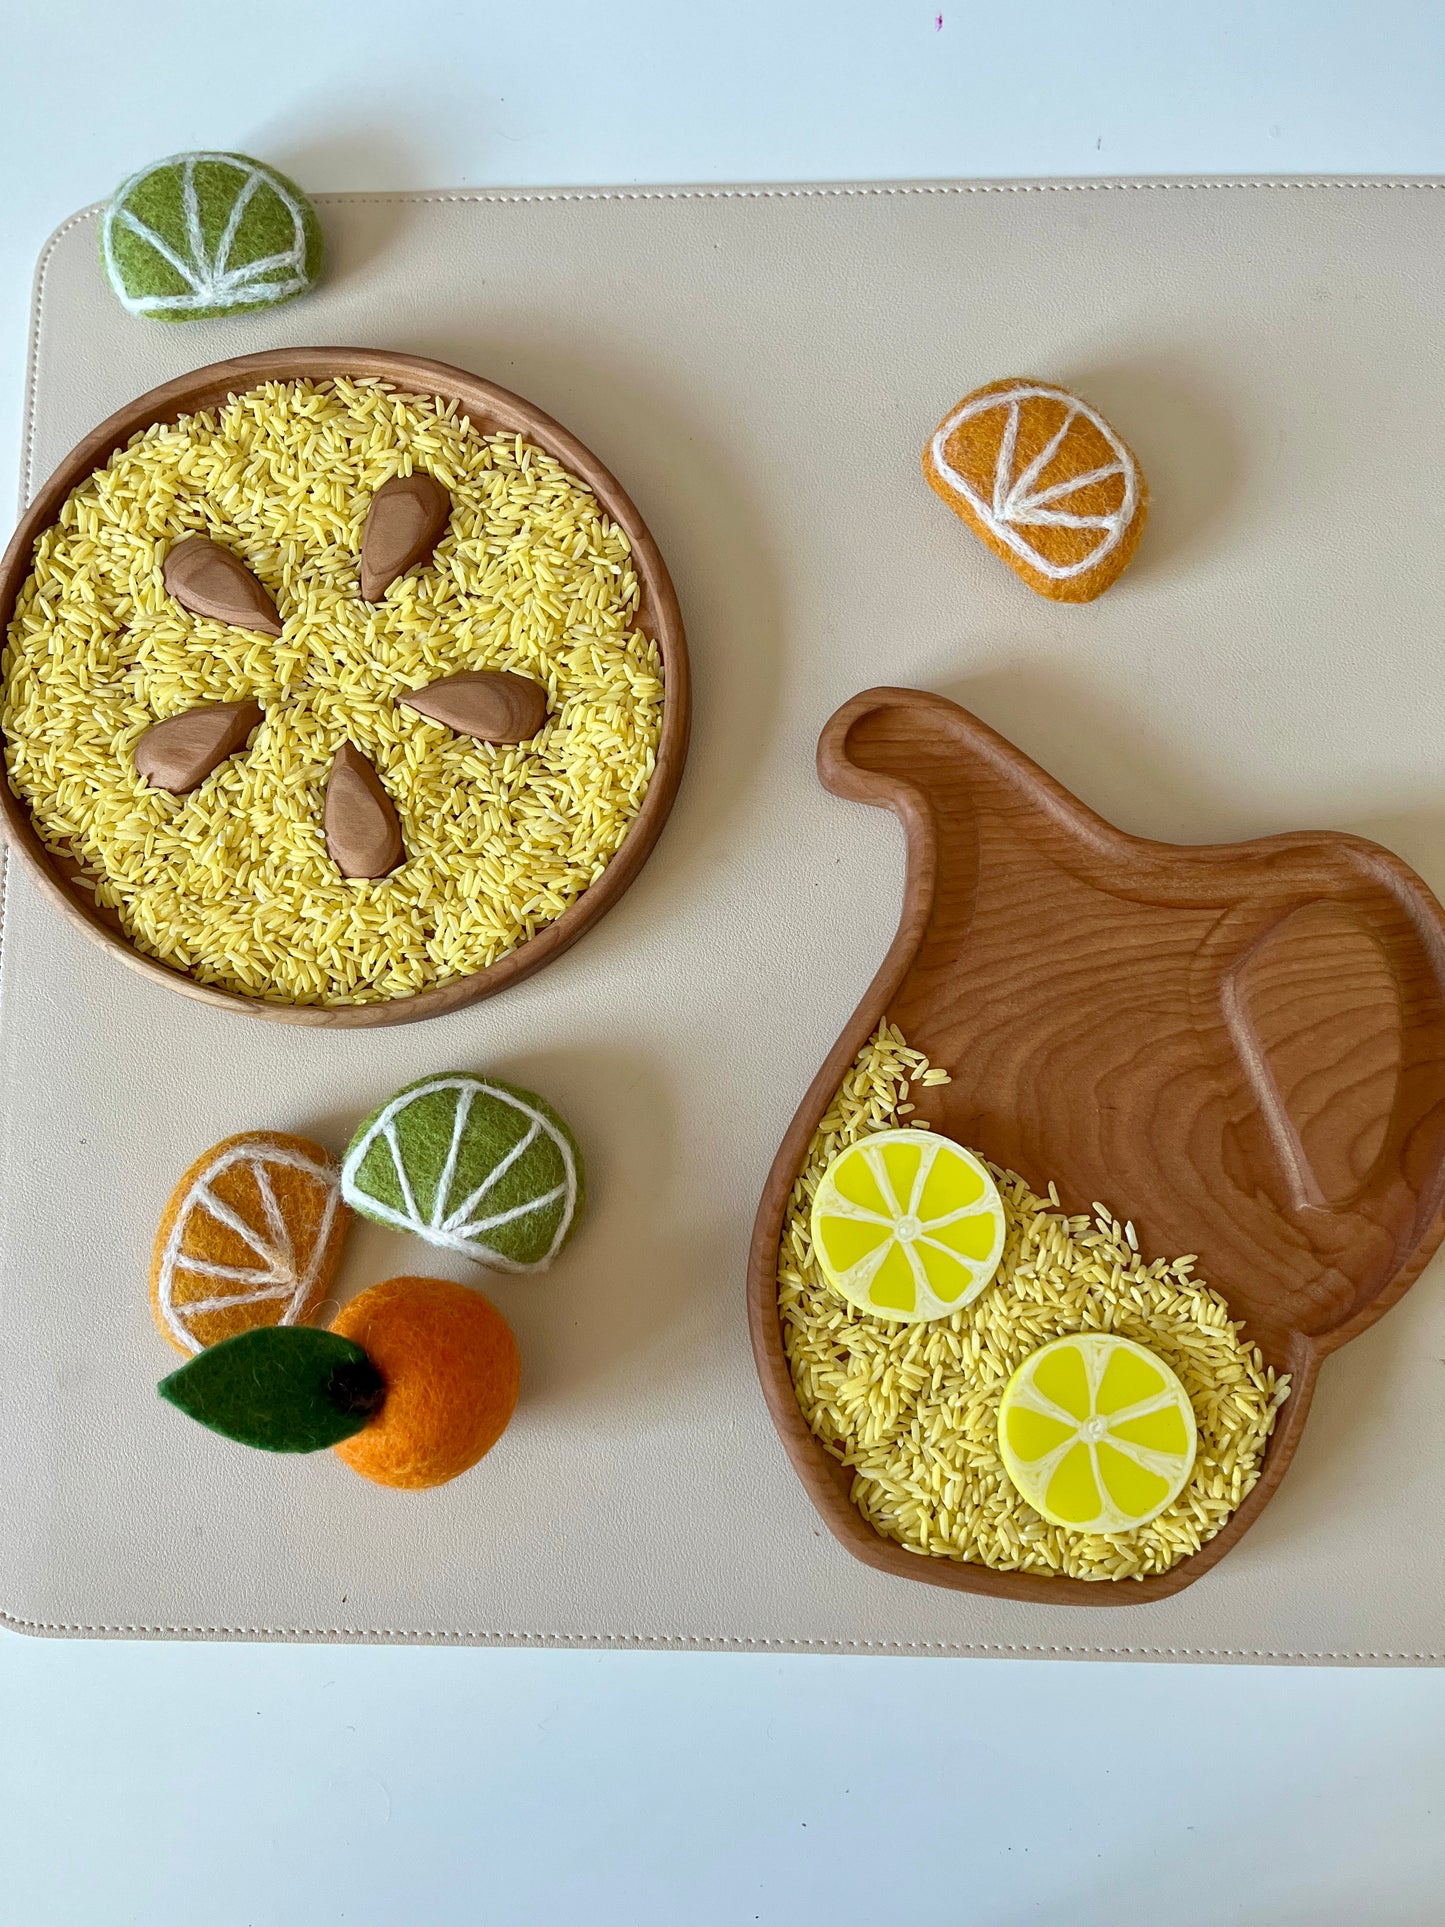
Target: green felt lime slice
471	1164
208	234
281	1388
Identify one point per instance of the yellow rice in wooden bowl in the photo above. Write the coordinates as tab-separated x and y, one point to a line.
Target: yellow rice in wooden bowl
232	884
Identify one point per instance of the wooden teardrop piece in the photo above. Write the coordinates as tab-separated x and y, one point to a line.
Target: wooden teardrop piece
208	580
407	517
493	705
362	833
180	753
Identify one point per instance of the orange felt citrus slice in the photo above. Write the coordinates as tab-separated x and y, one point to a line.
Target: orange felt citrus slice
251	1236
1044	481
1096	1433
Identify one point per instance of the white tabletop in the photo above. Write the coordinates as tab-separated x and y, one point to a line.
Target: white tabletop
265	1785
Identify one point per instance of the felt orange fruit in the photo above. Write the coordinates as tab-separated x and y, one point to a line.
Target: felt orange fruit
451	1372
250	1237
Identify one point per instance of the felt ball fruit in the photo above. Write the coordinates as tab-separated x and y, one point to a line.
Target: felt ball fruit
907	1225
416	1381
251	1236
1097	1433
200	235
472	1164
450	1367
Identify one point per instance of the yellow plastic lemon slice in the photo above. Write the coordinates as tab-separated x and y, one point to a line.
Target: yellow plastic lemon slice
1097	1433
908	1225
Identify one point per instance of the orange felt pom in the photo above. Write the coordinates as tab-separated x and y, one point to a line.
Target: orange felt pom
251	1236
451	1369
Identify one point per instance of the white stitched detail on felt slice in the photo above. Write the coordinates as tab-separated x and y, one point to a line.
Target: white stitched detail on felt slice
212	281
456	1229
276	1273
1016	504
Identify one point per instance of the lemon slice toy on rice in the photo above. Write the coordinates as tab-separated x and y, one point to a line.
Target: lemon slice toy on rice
1096	1433
908	1225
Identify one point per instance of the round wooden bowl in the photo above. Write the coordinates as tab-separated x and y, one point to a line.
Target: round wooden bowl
491	409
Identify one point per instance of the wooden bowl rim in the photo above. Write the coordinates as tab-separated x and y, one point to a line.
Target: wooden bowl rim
828	1483
204	388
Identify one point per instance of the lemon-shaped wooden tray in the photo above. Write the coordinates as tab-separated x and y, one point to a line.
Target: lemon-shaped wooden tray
490	409
1241	1046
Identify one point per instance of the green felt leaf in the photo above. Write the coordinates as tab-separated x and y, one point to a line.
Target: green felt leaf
282	1388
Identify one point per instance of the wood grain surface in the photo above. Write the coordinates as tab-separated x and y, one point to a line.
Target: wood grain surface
491	409
1239	1047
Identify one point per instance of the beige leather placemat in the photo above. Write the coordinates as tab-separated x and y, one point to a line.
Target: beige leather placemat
761	367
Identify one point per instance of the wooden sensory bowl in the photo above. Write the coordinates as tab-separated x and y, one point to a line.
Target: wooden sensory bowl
1239	1046
491	409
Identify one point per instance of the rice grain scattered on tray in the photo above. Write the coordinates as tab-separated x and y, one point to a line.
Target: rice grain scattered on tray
912	1410
233	883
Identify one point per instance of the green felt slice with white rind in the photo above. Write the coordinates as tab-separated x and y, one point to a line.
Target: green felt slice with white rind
471	1164
197	236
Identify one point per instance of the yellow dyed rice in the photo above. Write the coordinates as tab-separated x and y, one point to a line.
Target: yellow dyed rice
233	883
913	1409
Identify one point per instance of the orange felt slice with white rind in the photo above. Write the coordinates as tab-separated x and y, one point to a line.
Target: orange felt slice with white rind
908	1225
1045	482
1096	1433
251	1236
